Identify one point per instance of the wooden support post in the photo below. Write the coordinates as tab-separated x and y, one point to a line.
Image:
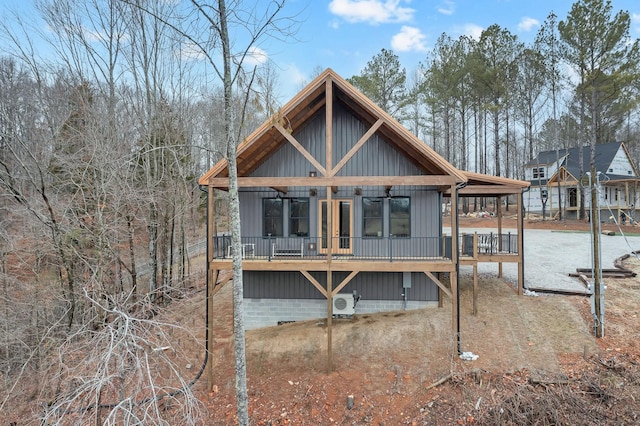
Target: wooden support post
475	246
520	220
210	224
455	303
330	172
329	283
499	211
212	277
329	321
626	196
210	335
475	288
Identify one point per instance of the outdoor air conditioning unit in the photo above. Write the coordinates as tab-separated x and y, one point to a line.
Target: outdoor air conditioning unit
343	304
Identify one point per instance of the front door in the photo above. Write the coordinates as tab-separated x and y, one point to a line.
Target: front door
341	226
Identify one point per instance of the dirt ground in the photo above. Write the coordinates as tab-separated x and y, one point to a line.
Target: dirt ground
538	362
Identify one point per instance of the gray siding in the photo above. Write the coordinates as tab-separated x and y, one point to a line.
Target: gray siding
285	296
375	158
425	212
372	286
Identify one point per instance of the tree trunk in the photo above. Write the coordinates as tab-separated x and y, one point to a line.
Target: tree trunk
242	400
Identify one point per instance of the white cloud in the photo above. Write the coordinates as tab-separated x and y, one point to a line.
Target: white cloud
635	21
255	56
295	75
371	11
447	8
472	30
527	24
409	39
293	80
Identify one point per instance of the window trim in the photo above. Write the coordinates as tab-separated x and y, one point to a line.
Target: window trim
538	172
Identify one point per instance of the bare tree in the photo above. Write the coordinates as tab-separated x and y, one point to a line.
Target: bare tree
131	373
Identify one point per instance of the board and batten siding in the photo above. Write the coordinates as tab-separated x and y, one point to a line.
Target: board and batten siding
299	300
376	158
369	285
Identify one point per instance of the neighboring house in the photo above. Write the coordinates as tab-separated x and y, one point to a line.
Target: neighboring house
558	171
336	199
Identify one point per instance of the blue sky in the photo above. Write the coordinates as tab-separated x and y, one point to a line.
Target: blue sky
346	34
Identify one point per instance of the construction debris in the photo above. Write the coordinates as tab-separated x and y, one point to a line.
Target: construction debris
606	273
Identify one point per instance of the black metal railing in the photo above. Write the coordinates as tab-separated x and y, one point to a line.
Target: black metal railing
388	248
491	243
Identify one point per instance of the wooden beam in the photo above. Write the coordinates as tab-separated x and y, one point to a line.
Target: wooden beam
282	189
289	137
417	180
315	283
328	125
221	283
309	264
438	283
356	147
488	190
344	282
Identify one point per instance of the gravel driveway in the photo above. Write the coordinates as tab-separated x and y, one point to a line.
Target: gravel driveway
549	257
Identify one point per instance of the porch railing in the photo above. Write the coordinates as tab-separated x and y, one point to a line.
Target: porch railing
488	244
388	248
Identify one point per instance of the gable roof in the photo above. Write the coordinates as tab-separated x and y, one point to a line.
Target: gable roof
604	156
277	131
547	157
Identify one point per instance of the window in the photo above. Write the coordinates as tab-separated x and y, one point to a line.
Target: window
573	197
400	216
299	217
272	217
538	172
372	217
